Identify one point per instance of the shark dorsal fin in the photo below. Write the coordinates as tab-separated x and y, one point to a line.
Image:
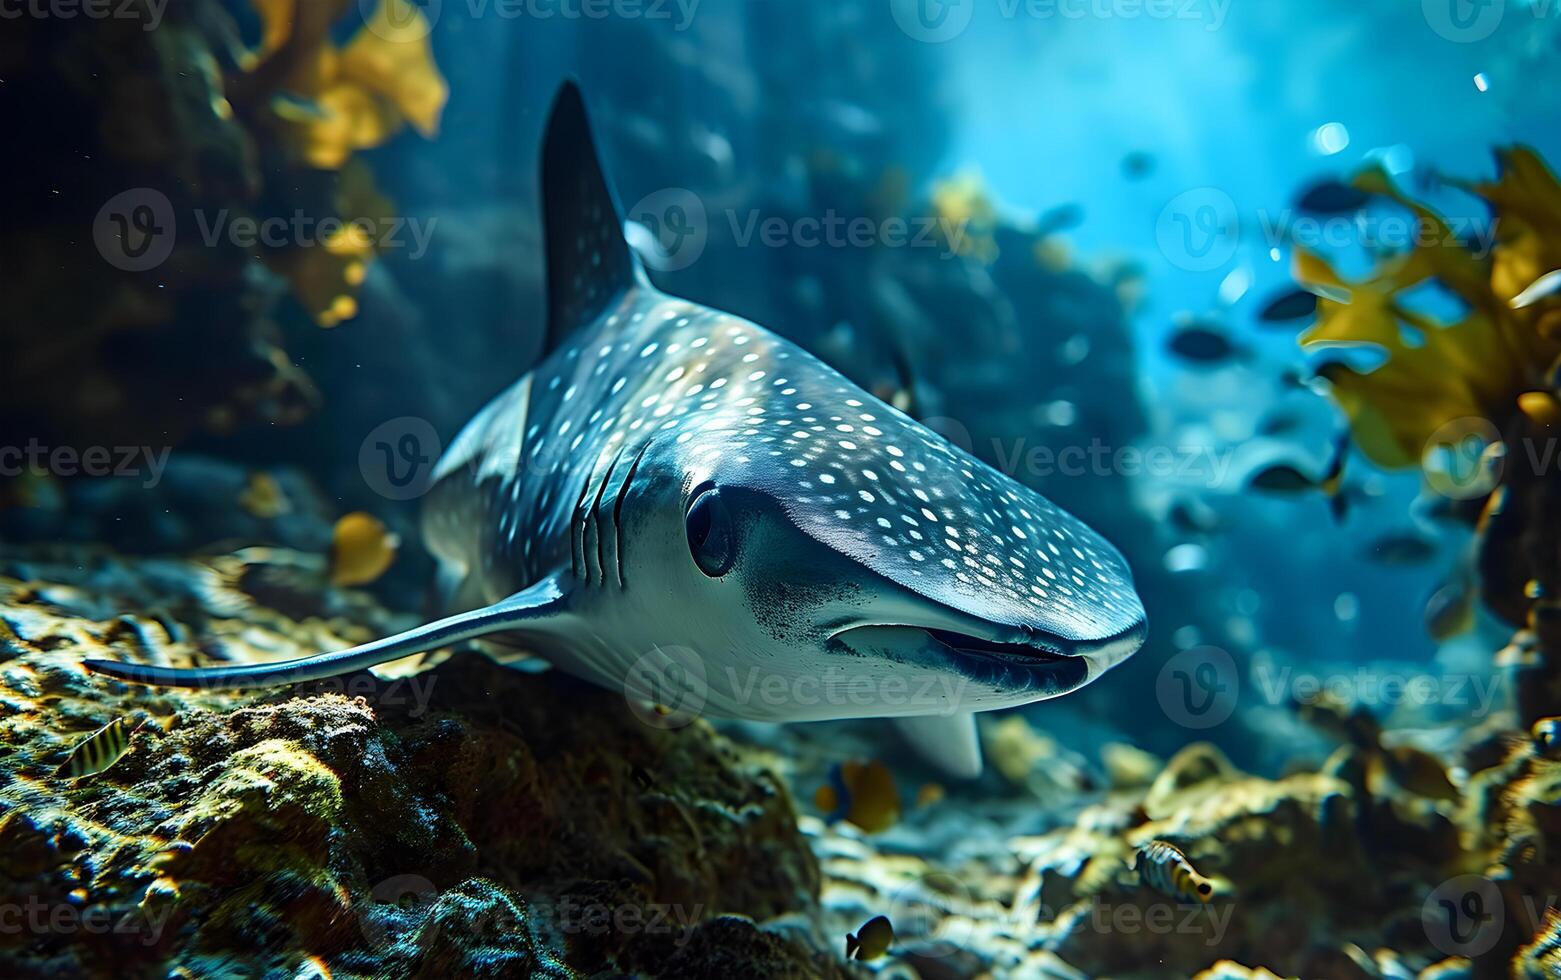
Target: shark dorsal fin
588	262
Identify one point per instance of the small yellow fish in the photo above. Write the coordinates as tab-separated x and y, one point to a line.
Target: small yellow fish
362	548
1541	407
1450	611
862	793
929	794
1163	867
1421	773
99	750
263	497
872	940
1547	737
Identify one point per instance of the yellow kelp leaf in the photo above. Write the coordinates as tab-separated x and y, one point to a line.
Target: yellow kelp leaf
392	56
349	119
966	215
1396	409
325	275
276	22
1312	270
1527	199
1434	373
385	75
1438	253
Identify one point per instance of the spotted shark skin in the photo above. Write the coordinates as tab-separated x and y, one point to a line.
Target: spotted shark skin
876	570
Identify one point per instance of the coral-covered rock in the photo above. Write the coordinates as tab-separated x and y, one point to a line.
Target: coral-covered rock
470	820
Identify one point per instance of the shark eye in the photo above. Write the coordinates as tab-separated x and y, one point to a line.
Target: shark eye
710	536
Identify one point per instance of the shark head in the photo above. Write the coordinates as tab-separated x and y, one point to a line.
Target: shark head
783	520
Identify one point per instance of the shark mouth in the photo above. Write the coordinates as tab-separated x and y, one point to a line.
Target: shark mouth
1006	666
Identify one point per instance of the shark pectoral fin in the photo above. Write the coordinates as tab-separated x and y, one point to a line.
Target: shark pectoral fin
541	600
947	741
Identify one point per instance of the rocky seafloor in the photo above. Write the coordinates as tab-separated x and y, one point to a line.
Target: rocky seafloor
468	819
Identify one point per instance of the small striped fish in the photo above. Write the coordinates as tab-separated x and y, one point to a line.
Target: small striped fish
1165	868
1547	737
99	751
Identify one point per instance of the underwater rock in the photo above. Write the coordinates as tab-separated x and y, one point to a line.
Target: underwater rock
1541	959
159	279
468	820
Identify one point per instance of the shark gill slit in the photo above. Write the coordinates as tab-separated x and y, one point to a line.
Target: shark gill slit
595	516
577	530
617	508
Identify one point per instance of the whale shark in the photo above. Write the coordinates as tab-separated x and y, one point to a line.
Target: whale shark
675	486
